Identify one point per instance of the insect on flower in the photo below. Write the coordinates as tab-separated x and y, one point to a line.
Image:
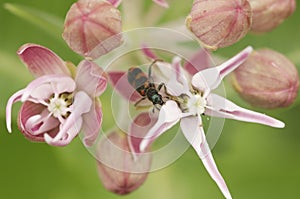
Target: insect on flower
145	86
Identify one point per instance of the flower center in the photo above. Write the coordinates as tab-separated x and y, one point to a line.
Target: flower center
196	104
59	105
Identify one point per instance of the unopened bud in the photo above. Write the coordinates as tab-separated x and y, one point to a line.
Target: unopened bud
268	14
219	24
119	171
267	79
92	28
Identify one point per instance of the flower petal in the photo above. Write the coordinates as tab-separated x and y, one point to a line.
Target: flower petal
71	127
210	78
27	111
169	115
198	62
148	52
90	78
194	133
220	107
41	123
54	83
162	3
115	3
13	99
42	61
138	129
120	82
178	83
91	124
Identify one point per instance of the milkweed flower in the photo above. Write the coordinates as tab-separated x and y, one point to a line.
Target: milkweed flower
267	79
268	14
61	101
121	173
190	99
93	28
219	24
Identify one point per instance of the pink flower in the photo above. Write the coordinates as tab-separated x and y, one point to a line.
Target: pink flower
57	105
192	98
162	3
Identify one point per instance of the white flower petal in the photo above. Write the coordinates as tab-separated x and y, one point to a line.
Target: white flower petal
220	107
193	131
169	115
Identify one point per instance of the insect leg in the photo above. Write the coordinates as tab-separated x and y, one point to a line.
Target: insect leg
139	101
150	68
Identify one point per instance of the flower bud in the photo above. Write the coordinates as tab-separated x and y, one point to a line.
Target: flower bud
218	23
92	28
267	79
117	169
268	14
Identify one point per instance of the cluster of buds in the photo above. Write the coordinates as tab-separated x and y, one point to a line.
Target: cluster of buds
220	24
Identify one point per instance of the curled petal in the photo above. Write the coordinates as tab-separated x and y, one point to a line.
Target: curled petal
13	99
91	124
41	123
46	85
90	78
162	3
41	61
115	3
221	107
169	115
194	133
210	78
198	62
120	83
138	129
71	127
30	111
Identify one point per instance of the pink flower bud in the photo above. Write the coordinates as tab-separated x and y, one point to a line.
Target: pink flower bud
117	169
268	14
92	28
219	23
267	79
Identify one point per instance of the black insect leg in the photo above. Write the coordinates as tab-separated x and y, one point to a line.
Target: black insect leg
140	100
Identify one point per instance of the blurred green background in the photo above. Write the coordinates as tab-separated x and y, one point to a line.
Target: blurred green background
256	161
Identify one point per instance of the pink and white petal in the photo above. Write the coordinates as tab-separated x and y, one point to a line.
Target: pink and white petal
41	60
198	62
13	99
41	123
82	104
194	133
162	3
27	110
138	129
210	78
178	82
92	123
120	82
220	107
169	115
115	3
68	137
54	84
90	78
148	52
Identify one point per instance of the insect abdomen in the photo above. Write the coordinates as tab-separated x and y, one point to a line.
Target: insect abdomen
137	79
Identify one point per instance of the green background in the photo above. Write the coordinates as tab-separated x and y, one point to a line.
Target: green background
256	161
